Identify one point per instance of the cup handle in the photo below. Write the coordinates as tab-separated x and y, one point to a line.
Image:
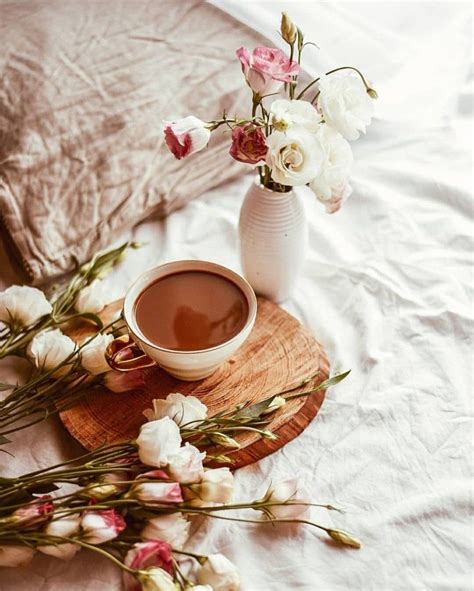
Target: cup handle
122	354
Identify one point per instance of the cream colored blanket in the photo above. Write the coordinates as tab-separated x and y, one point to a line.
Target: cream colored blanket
84	87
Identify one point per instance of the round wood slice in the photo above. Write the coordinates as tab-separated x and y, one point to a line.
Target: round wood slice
279	354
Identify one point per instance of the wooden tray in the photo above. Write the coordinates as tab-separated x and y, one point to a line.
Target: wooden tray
278	355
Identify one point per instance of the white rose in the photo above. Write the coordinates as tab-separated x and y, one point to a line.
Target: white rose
345	104
62	528
219	572
49	348
16	555
172	528
186	466
216	486
288	490
156	579
182	409
294	157
93	354
158	442
202	588
23	305
92	298
334	173
286	114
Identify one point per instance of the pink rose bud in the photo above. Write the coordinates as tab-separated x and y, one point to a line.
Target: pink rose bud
101	526
34	514
186	136
266	69
248	144
123	382
154	553
156	492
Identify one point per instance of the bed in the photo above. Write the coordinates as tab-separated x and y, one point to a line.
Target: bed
387	287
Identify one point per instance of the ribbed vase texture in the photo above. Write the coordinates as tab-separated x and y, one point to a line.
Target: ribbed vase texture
273	236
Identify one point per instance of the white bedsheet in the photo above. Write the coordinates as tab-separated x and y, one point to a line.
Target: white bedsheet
388	289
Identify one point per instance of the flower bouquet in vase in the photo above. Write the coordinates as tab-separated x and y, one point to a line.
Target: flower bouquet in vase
294	141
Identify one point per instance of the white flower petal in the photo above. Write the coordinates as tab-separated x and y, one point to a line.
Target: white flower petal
23	304
93	354
92	298
345	104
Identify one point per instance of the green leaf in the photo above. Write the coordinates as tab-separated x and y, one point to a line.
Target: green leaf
333	380
254	410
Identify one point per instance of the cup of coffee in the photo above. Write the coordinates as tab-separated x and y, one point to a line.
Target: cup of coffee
187	317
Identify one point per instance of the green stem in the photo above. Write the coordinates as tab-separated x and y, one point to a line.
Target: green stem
291	89
272	521
308	86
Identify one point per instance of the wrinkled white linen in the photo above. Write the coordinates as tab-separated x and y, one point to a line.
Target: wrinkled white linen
388	289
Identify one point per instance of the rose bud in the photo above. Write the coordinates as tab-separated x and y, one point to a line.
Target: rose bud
62	528
33	514
106	486
344	538
275	404
284	491
172	528
21	305
15	555
216	486
266	69
156	579
186	136
155	492
224	440
154	553
219	572
117	381
248	144
288	29
101	526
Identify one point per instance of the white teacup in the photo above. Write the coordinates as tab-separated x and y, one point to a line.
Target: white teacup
135	351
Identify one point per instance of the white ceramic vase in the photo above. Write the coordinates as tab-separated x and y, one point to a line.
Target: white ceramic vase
273	236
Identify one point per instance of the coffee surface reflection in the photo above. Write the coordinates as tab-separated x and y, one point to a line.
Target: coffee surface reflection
191	310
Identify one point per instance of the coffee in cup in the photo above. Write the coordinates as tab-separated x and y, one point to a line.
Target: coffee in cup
187	317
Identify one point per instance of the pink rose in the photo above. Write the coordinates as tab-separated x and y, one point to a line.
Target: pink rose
34	514
266	68
117	381
101	526
155	553
186	136
248	144
162	490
